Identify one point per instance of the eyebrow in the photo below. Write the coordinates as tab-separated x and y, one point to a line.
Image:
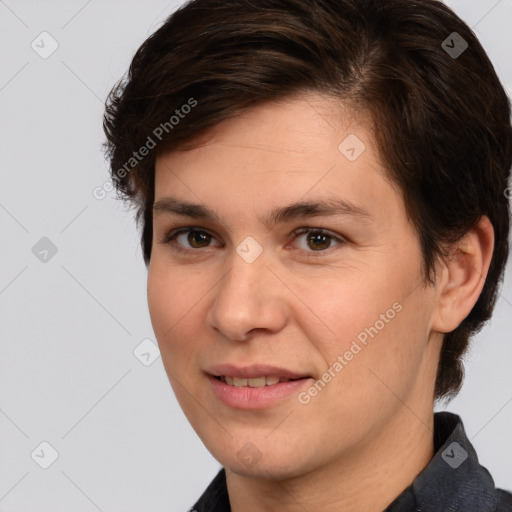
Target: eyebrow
303	209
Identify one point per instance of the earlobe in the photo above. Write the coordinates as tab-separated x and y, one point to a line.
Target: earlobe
463	276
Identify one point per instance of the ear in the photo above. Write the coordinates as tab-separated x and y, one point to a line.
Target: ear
463	275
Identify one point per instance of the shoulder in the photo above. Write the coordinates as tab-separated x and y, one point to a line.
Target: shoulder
504	501
454	479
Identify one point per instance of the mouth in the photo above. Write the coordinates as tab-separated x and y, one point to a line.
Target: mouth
258	386
254	382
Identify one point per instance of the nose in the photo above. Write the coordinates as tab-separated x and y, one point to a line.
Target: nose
248	299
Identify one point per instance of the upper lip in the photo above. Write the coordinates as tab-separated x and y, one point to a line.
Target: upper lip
255	370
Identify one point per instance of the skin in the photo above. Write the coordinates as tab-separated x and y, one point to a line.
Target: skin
373	422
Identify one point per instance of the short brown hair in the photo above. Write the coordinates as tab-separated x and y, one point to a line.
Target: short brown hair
441	120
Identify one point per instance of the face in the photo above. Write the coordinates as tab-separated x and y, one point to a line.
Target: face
296	263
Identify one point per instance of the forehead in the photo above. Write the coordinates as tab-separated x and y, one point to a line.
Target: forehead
301	148
283	124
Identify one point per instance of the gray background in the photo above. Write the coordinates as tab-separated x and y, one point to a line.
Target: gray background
69	325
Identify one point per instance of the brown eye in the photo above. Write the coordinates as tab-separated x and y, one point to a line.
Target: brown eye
198	239
316	242
189	239
319	241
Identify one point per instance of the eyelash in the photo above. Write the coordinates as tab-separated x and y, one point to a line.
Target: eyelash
173	234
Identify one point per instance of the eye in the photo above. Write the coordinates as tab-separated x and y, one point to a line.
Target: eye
311	240
316	240
189	238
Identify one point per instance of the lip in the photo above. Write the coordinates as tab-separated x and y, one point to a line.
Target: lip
254	398
255	370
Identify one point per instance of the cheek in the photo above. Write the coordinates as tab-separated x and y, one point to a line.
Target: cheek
348	310
173	301
161	293
373	325
382	345
175	308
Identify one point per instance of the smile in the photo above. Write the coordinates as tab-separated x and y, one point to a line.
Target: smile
255	392
255	382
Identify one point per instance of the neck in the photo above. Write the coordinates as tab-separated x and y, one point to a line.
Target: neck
366	480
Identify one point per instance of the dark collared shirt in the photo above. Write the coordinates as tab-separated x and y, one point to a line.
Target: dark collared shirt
453	481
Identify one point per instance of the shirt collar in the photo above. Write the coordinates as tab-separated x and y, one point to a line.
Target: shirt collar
453	480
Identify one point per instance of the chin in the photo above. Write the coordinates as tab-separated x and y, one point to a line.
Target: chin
277	466
262	471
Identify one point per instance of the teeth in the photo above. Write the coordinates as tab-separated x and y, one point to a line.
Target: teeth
239	383
256	382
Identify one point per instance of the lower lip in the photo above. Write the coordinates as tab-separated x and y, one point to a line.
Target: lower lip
255	398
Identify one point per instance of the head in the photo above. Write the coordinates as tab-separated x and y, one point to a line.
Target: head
245	107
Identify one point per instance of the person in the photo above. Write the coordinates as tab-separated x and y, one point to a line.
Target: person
322	192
